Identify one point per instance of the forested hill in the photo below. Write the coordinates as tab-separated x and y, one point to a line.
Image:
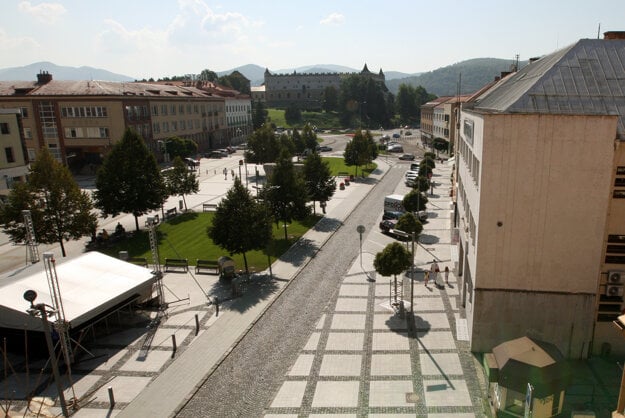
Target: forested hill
476	73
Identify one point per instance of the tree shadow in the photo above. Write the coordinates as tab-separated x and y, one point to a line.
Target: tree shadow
299	252
327	225
184	217
257	288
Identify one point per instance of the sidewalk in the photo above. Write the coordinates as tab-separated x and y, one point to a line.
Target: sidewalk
157	381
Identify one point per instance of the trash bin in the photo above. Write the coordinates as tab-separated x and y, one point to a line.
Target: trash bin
226	267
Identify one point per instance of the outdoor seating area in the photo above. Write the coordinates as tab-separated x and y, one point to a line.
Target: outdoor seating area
206	266
177	264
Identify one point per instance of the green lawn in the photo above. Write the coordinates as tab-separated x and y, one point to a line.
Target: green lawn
337	165
322	120
185	237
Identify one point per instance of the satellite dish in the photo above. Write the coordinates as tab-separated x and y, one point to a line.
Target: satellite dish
30	295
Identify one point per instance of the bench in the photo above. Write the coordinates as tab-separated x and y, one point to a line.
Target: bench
171	213
139	261
178	263
209	207
211	265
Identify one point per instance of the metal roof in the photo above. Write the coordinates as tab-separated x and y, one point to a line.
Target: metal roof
586	78
97	88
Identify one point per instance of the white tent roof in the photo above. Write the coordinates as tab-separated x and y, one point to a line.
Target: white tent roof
89	285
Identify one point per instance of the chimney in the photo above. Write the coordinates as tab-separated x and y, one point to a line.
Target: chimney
614	35
44	77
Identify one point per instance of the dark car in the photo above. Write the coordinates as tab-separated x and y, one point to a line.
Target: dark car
387	225
396	135
407	157
325	148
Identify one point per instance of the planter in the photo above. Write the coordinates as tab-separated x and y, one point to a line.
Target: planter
346	182
351	177
342	186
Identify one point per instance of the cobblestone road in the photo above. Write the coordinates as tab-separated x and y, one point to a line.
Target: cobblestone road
250	376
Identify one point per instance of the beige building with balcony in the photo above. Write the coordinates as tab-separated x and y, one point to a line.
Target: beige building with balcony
78	121
13	158
540	202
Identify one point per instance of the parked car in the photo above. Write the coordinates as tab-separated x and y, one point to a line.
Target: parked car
395	148
325	148
385	137
411	173
408	133
407	157
192	162
396	135
386	225
217	154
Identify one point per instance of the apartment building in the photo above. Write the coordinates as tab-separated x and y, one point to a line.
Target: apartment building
427	118
540	203
79	121
13	158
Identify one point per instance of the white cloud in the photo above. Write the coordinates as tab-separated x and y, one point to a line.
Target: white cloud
44	12
18	44
333	19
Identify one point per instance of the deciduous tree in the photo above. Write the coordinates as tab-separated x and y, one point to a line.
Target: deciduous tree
129	180
240	224
320	184
181	181
59	209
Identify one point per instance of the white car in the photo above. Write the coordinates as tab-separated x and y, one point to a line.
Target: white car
410	173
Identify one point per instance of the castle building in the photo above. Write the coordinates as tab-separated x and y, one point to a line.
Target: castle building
306	90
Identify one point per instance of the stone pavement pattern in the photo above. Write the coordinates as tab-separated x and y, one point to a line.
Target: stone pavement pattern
364	358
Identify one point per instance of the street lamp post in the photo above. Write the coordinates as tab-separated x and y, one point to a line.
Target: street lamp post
360	229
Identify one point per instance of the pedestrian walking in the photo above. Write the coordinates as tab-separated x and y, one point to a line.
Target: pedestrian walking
225	173
427	278
446	275
232	172
434	270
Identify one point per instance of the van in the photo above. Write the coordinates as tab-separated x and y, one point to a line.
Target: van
414	166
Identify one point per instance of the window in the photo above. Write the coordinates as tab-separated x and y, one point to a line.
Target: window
4	128
8	151
165	126
24	112
155	110
28	134
164	110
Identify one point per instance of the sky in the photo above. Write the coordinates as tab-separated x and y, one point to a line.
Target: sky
163	38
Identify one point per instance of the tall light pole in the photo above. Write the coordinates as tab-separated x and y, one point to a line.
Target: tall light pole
41	311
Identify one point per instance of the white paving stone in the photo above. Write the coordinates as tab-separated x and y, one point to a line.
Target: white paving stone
125	388
389	392
431	320
388	321
321	321
302	365
390	341
290	394
152	363
340	365
351	305
345	341
428	304
313	341
390	365
446	393
354	290
436	340
437	364
336	394
349	321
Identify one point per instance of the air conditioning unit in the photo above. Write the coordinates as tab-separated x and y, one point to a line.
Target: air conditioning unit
616	276
614	291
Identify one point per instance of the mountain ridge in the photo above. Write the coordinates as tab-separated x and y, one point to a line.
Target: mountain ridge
443	81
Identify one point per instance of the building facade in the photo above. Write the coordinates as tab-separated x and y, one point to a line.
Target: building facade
79	121
306	90
13	158
540	202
